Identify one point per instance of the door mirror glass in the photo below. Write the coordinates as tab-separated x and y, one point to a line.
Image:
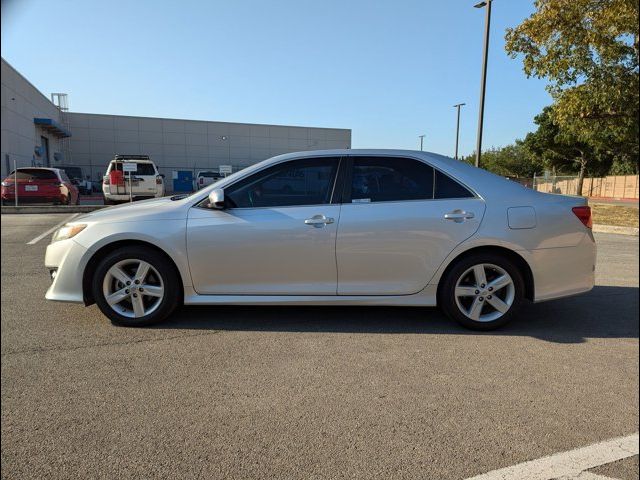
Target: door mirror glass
216	198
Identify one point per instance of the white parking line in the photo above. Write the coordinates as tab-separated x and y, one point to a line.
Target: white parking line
568	465
51	230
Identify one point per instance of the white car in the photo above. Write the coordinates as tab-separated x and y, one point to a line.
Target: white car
204	178
356	227
131	177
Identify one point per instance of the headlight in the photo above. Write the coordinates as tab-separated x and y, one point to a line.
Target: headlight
70	230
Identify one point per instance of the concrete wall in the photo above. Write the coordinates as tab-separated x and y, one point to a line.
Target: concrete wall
21	103
188	144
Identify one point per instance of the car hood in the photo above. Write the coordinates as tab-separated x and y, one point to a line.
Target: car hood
154	209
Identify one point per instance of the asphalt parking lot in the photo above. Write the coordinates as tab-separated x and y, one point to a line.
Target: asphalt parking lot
303	392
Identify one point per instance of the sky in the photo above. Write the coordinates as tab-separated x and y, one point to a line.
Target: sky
388	70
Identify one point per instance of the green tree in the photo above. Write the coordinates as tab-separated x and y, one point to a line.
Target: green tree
562	150
513	160
588	51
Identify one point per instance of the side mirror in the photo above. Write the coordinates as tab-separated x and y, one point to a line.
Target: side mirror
216	198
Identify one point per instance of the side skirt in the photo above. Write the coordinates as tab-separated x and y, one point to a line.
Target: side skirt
425	298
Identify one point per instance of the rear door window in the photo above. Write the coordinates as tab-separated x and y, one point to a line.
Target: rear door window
390	179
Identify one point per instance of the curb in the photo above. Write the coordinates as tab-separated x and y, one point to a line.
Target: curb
615	229
50	209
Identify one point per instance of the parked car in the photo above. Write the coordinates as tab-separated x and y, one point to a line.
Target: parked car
204	178
145	182
372	227
84	184
39	185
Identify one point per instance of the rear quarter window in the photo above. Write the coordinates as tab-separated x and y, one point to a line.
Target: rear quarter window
447	187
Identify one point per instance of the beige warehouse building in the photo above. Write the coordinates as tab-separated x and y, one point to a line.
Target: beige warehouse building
37	132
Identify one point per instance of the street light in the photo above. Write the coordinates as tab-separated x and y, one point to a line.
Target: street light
483	82
458	105
421	137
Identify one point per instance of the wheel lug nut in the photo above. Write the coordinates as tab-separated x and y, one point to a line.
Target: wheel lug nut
141	289
135	295
489	297
126	291
491	289
477	292
481	299
137	282
128	283
482	286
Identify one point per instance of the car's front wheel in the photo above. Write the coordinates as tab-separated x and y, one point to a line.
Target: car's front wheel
482	291
135	286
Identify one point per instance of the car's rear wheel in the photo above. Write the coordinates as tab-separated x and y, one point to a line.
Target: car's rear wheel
135	287
482	291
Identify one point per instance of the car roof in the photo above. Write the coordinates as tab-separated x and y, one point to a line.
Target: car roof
39	168
484	183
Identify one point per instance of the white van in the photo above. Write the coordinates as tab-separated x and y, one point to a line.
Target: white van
140	175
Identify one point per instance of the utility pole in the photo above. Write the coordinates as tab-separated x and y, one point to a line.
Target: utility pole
457	106
483	82
421	137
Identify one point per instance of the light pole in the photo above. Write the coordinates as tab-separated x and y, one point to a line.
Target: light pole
421	137
457	106
483	82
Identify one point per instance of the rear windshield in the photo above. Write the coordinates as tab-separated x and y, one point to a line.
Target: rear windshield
34	174
143	168
209	174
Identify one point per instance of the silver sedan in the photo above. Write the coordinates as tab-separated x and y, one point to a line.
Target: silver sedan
335	227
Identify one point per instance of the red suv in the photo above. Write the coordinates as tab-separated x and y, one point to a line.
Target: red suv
39	185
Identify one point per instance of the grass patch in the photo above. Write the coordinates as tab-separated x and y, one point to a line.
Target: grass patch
614	215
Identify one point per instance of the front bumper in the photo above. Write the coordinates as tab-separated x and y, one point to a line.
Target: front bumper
69	259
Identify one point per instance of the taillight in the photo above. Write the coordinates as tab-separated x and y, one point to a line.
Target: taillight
158	180
584	215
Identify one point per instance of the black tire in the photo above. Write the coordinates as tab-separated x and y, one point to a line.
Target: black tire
447	298
170	278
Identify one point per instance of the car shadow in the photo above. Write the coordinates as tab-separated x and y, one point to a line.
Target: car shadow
605	312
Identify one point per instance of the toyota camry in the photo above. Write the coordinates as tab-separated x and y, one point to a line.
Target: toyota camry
335	227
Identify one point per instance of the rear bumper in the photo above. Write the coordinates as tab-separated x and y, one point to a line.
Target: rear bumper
566	271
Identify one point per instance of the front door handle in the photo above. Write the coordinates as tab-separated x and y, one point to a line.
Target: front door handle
318	221
459	216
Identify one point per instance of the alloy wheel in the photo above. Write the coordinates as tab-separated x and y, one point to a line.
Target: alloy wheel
133	288
484	292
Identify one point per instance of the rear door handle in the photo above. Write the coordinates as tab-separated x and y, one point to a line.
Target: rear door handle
318	221
459	216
